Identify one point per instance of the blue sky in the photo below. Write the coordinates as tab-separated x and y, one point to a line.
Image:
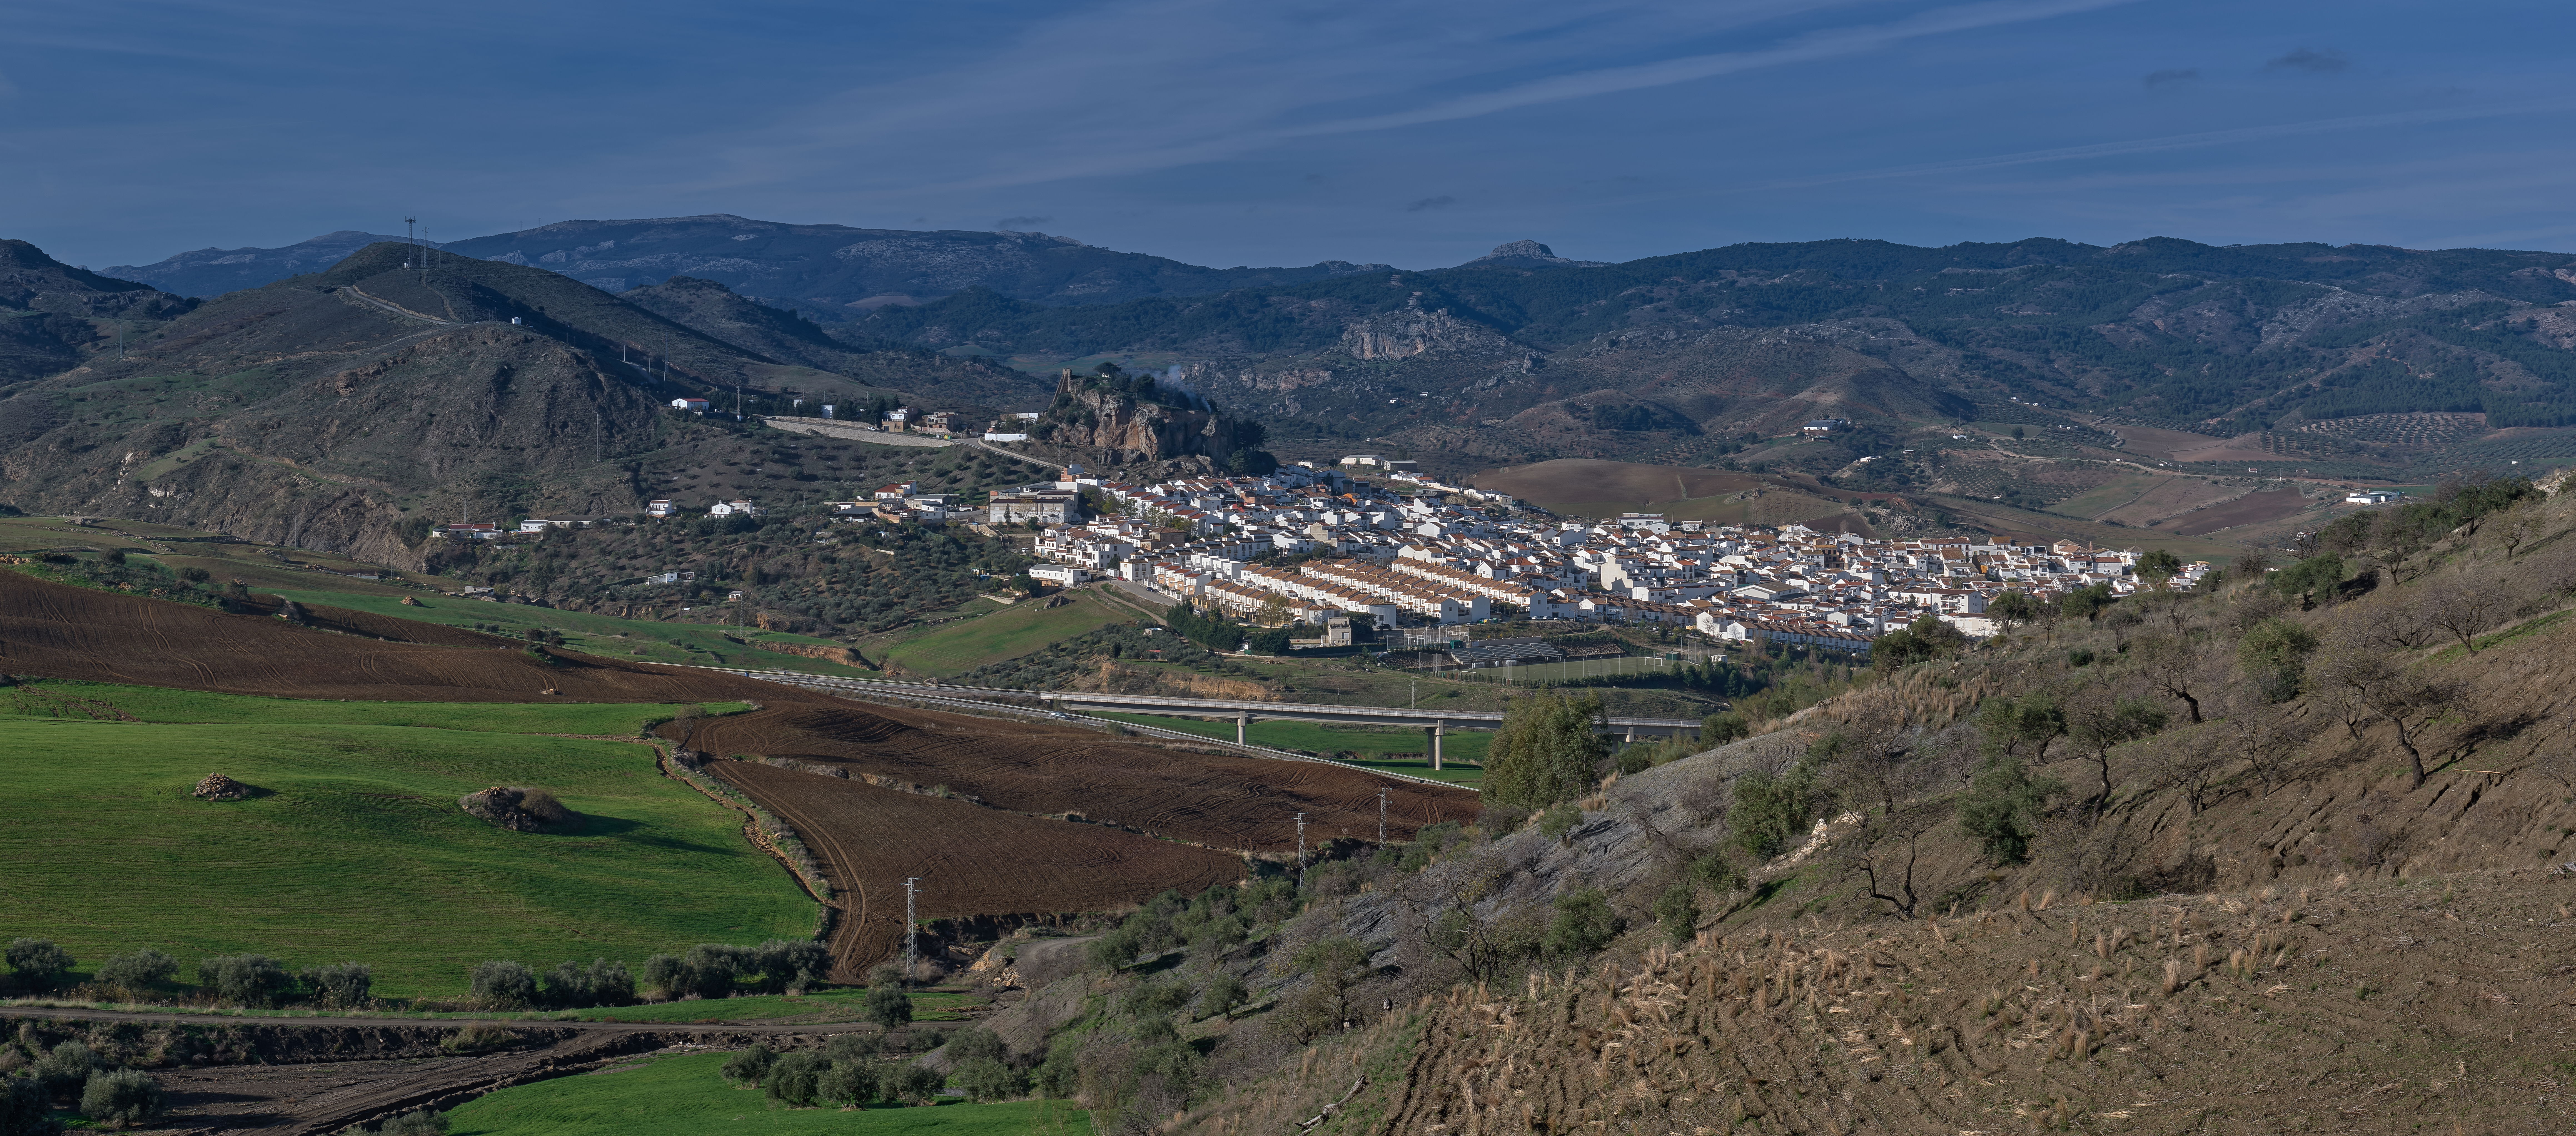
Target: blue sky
1290	131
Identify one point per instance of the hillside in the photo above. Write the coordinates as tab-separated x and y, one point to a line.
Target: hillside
329	410
209	272
2298	350
834	270
52	314
2288	847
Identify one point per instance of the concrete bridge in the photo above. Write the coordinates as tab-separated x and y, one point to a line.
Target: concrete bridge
1435	724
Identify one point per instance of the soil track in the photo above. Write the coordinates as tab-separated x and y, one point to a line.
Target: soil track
1222	801
972	860
60	631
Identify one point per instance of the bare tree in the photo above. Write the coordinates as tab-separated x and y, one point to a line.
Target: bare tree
2409	699
1885	872
2122	619
2265	736
2465	611
2190	766
1870	768
2100	723
2172	664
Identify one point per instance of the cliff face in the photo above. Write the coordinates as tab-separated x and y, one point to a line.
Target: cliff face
1414	331
1124	421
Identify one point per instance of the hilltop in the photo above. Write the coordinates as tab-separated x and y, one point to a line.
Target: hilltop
210	271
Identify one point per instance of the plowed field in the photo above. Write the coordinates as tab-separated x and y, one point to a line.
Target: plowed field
972	860
60	631
1221	801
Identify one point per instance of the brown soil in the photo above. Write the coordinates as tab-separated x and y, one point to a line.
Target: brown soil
60	631
2014	1021
1217	800
2252	508
972	860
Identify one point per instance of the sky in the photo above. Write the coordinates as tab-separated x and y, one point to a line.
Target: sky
1291	131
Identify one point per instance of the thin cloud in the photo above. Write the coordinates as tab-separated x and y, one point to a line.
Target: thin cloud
2183	142
2173	78
1441	202
1008	224
1156	110
2313	62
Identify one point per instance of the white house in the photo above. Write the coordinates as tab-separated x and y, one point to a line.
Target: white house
2372	497
1060	575
658	509
730	508
692	405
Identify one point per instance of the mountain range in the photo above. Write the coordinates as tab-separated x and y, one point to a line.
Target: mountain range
342	397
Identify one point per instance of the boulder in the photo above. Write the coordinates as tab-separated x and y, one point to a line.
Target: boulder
519	809
217	787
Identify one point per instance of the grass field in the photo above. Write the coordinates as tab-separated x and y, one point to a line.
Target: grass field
309	577
686	1096
1373	742
357	850
1014	631
103	701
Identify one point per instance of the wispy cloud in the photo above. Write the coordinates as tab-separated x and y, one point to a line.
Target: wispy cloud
2171	78
1159	84
2311	61
2182	142
1442	201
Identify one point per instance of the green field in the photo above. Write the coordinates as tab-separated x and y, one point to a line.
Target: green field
60	698
607	636
357	850
1372	742
953	648
686	1096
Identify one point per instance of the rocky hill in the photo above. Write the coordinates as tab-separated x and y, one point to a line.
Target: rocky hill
1113	420
2285	346
344	409
832	270
213	271
51	312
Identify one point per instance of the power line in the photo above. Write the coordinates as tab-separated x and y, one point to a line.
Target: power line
911	926
1381	816
1301	850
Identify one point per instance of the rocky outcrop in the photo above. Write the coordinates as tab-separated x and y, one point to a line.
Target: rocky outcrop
1121	420
519	809
217	787
1413	331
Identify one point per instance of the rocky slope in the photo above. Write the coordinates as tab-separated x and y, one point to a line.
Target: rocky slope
52	313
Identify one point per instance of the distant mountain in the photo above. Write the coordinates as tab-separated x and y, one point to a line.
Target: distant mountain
339	409
50	311
831	270
1522	355
214	271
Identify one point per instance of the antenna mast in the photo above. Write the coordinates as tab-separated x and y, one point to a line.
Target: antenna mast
1301	850
911	926
1381	816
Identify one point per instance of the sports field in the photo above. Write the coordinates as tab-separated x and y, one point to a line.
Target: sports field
1014	631
687	1096
355	849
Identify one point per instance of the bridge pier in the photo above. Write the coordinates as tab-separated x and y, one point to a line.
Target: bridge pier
1242	727
1431	735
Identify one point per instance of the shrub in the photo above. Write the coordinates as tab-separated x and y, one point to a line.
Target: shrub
1155	999
2001	808
1548	749
38	963
795	1078
139	971
751	1066
25	1108
1678	910
67	1067
1769	813
602	983
245	980
1583	925
846	1083
1721	874
340	984
790	964
480	1037
1719	729
504	985
1221	995
422	1123
888	1006
987	1079
195	575
913	1084
122	1097
969	1044
1559	820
